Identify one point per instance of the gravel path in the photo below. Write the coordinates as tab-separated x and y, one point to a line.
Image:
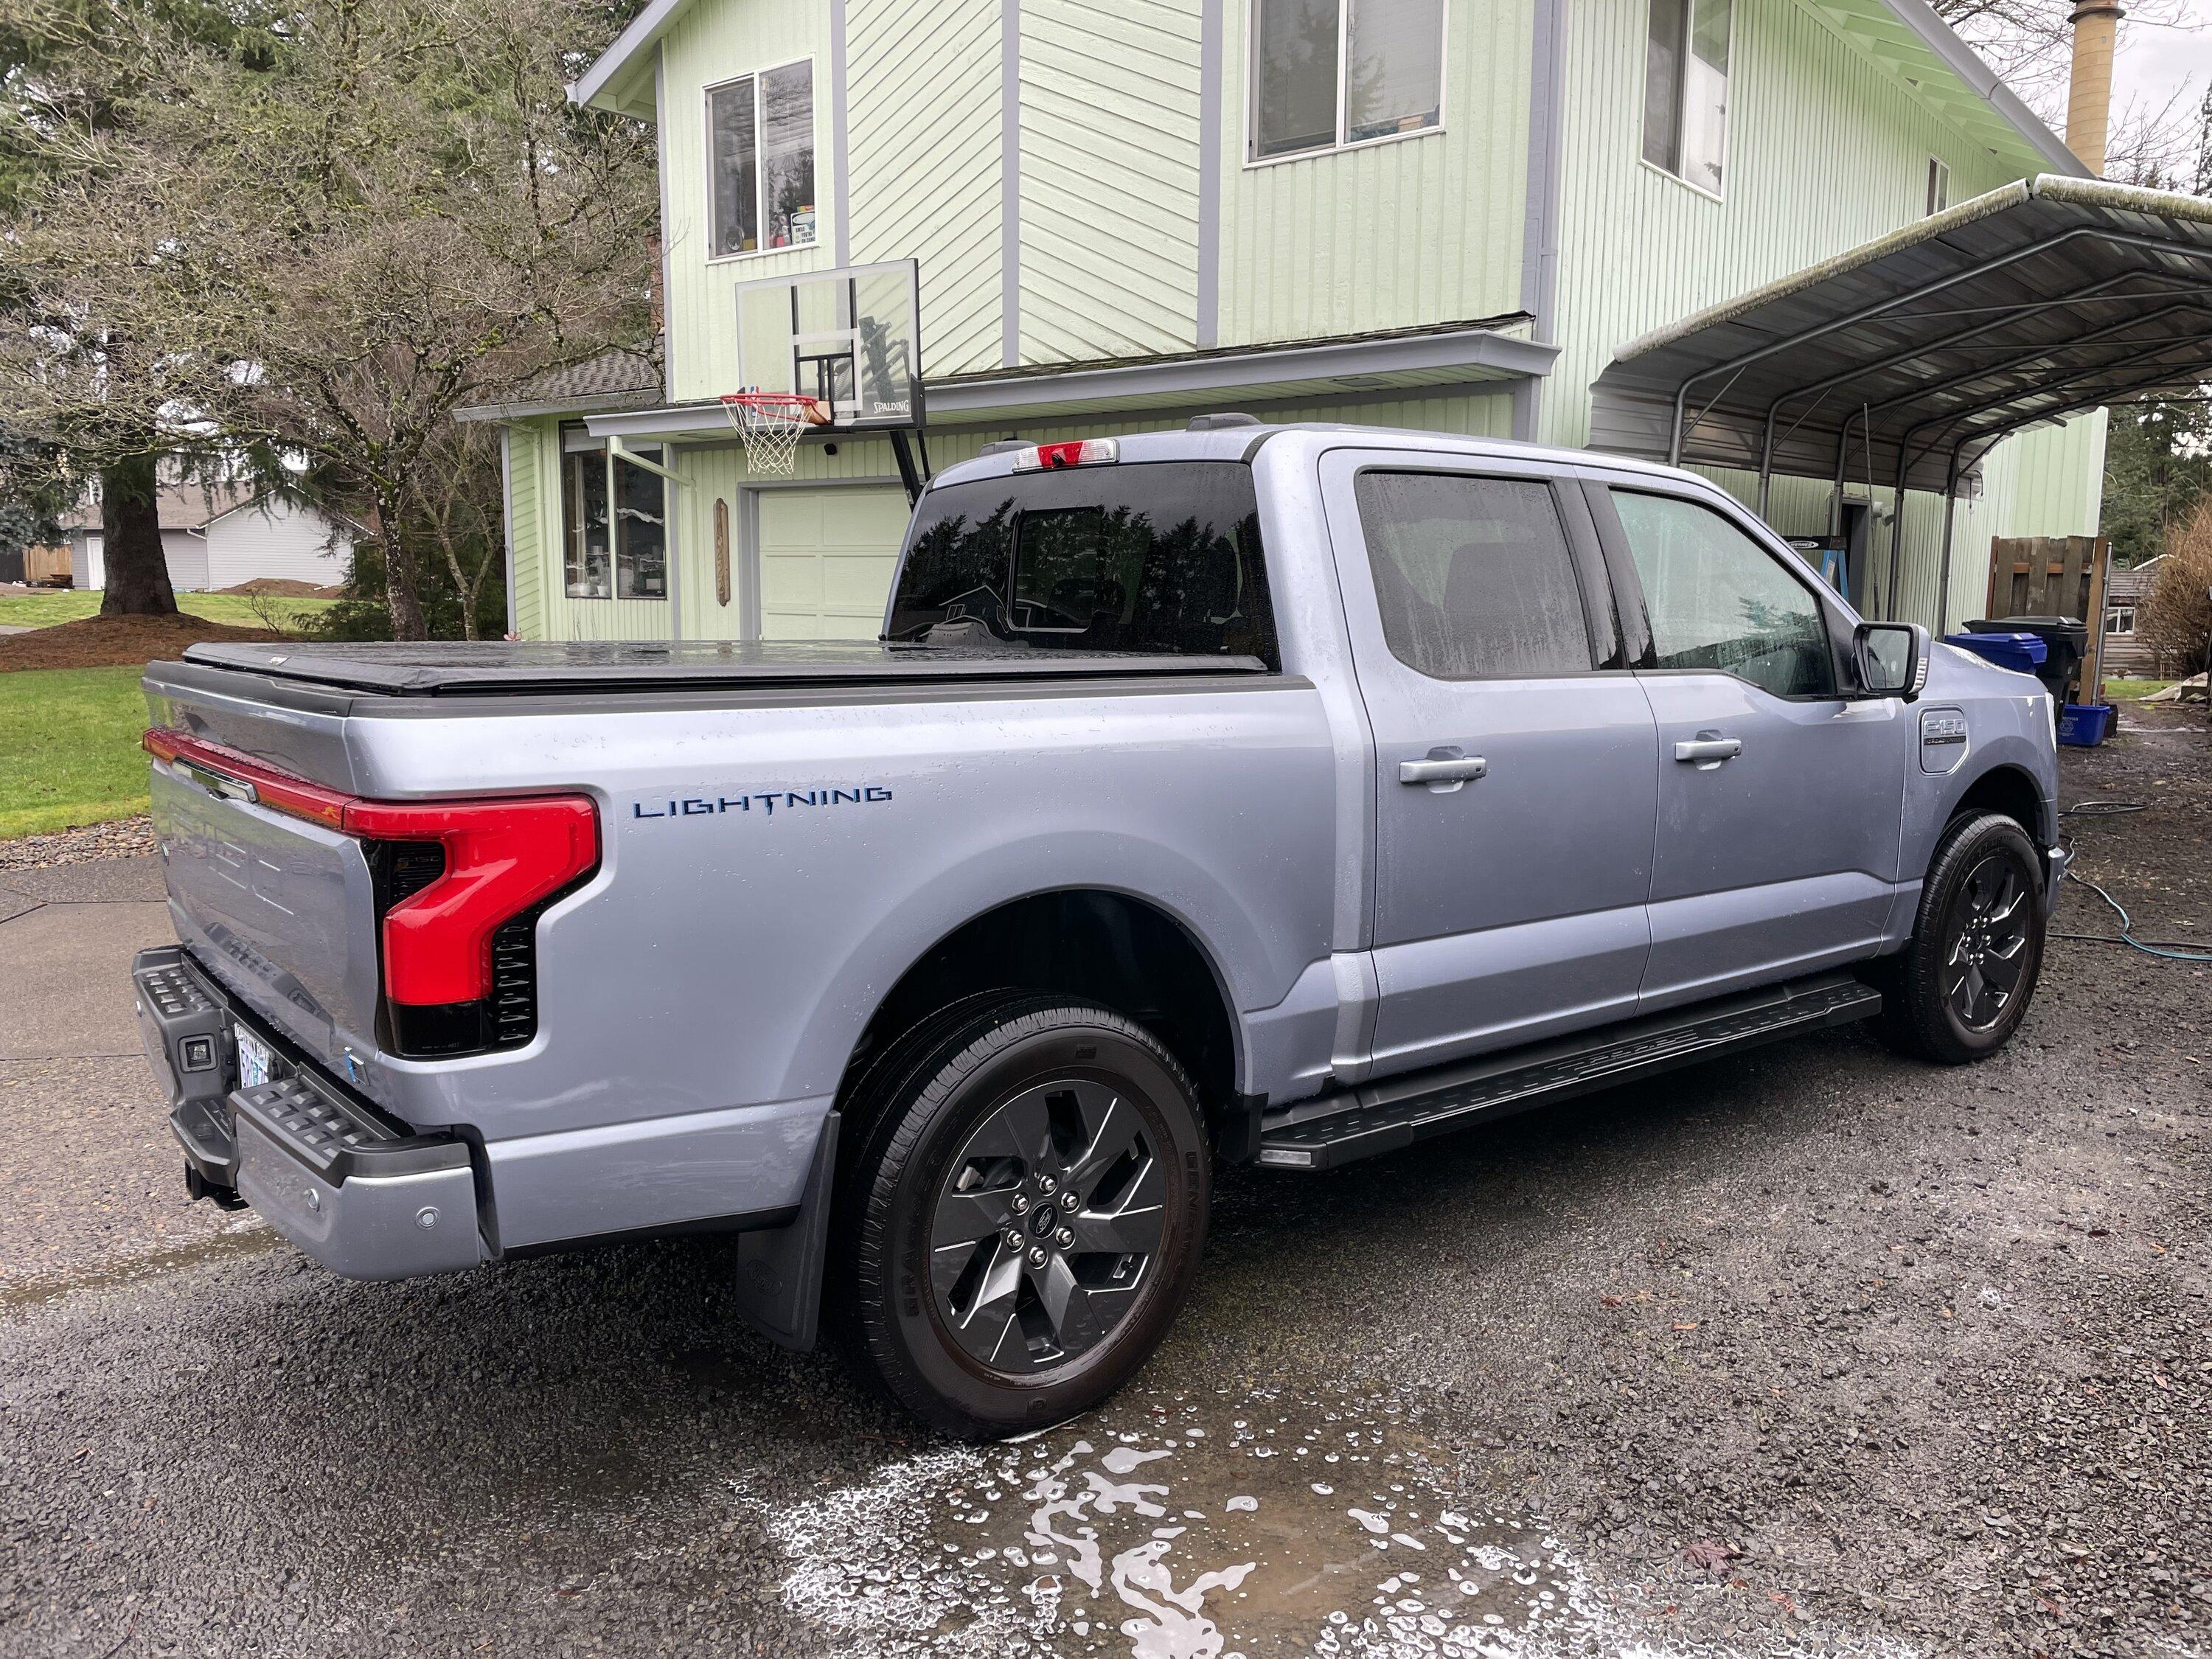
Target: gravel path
1813	1351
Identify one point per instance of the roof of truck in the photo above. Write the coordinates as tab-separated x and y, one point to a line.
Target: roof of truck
1240	442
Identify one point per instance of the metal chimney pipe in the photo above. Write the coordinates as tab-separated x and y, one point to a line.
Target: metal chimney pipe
2089	93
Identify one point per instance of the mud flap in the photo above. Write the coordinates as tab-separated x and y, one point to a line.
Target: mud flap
780	1270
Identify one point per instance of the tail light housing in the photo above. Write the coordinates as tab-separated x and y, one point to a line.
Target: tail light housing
454	879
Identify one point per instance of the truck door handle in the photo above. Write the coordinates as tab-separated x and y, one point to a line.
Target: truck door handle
1453	770
1709	751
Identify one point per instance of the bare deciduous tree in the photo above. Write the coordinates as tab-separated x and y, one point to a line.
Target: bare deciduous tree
327	248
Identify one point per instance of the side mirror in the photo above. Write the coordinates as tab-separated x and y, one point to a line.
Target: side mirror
1890	658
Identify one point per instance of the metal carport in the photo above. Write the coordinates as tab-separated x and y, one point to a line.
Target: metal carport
1906	360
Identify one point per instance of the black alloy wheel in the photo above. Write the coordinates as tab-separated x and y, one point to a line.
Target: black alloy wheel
1021	1214
1961	986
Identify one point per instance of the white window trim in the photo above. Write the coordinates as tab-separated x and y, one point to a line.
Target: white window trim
1936	163
1643	91
1341	146
760	174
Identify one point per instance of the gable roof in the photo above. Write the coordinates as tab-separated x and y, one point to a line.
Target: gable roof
1905	37
179	506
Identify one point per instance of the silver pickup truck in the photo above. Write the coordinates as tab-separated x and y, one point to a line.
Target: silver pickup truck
1281	795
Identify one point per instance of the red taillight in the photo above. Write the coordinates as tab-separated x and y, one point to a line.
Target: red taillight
501	857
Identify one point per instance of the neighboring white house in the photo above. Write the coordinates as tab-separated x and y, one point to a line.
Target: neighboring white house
214	539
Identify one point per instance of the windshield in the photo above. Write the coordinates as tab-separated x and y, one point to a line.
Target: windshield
1157	557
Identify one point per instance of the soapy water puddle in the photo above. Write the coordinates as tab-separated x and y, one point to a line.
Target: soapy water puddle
1194	1528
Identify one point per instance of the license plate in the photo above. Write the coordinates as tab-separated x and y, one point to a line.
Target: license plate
255	1063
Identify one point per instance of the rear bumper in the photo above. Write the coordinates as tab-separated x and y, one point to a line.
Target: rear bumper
366	1197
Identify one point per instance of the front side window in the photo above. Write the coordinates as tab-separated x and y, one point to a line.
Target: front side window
2122	621
1685	87
626	558
1149	558
760	137
1719	600
1473	576
1331	72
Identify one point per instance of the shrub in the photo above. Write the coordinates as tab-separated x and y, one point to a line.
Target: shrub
2173	621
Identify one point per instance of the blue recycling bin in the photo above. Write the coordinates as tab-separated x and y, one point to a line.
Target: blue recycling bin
2022	653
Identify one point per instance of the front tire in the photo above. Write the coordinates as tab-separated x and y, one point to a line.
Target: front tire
1023	1215
1962	985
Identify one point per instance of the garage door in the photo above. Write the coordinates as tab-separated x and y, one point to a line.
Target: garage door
825	561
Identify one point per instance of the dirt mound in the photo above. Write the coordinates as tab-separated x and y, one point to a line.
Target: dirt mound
109	642
282	587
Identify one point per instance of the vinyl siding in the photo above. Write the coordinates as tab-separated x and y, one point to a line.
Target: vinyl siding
529	511
276	540
710	43
1421	229
1109	178
1824	151
924	132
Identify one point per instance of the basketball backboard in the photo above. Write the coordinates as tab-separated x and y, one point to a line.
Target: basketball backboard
850	337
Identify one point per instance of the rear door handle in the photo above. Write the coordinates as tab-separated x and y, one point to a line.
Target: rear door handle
1709	751
1454	770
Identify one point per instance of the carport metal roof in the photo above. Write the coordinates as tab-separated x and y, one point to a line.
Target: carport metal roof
1905	360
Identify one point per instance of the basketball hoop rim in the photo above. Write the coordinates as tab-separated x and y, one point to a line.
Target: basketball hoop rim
795	406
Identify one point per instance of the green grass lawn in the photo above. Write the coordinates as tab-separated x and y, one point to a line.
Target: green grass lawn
2133	690
69	748
235	610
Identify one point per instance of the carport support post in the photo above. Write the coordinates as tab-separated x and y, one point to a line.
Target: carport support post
1950	514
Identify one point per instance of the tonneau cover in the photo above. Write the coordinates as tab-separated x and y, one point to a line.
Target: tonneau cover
488	668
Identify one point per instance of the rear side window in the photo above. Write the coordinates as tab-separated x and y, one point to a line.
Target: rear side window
1160	556
1473	575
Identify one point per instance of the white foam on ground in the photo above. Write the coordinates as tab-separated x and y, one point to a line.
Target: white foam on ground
921	1559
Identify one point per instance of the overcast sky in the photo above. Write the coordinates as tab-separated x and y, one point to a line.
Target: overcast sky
2156	62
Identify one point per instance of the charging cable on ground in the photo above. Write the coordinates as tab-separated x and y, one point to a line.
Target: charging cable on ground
2165	950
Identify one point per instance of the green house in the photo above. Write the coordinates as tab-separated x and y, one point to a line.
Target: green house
1470	216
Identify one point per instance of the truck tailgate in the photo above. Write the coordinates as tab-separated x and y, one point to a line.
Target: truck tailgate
282	910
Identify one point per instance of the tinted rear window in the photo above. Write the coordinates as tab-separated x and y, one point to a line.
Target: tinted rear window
1159	557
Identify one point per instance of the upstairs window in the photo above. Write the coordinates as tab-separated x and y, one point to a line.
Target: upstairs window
1328	73
1686	89
1939	186
760	145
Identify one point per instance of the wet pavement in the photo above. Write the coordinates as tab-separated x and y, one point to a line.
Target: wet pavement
1811	1351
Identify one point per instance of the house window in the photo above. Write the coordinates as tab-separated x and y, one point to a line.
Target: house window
760	142
1939	186
1686	87
2121	620
627	559
1328	73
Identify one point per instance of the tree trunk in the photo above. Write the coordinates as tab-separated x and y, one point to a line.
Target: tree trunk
400	600
130	542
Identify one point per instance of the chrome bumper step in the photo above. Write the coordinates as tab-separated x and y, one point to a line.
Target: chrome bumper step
1356	1123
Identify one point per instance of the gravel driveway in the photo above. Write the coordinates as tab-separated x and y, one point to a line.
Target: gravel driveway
1813	1351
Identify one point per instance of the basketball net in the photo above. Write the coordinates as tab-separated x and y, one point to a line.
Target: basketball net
769	423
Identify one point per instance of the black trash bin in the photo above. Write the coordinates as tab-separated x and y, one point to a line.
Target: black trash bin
2065	642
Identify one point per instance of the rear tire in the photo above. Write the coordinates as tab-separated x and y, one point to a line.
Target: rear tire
1062	1124
1961	986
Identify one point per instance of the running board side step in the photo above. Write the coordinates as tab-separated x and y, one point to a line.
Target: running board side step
1356	1123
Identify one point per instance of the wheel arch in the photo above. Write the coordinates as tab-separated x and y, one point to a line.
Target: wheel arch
1089	942
2006	788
